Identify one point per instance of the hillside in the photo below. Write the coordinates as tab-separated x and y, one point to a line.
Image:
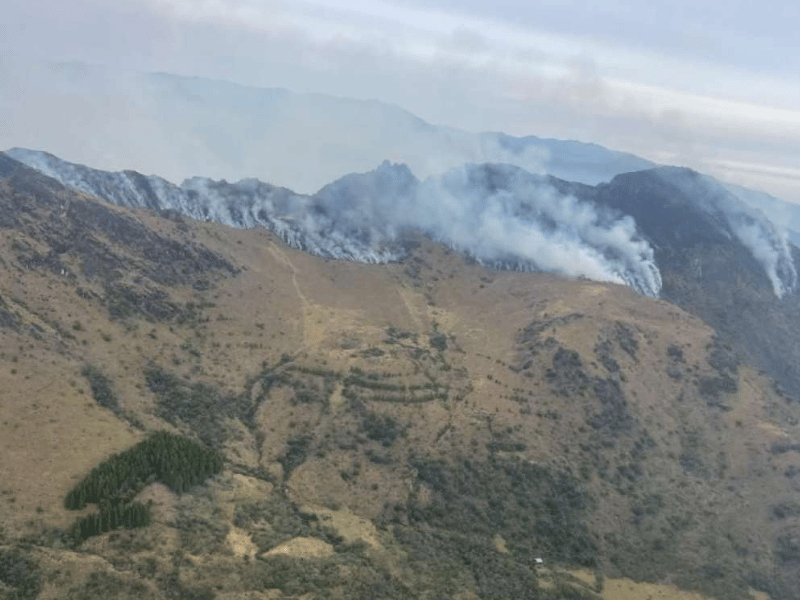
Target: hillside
726	264
667	232
420	429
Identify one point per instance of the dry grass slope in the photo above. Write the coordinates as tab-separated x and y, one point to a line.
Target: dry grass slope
386	424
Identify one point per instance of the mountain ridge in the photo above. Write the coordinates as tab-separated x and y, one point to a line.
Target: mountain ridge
357	216
250	202
424	427
717	257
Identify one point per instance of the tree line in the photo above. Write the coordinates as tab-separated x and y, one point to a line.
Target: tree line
176	461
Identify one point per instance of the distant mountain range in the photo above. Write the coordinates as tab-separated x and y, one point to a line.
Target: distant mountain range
179	127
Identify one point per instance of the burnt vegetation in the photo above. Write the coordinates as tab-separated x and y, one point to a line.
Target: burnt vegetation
89	244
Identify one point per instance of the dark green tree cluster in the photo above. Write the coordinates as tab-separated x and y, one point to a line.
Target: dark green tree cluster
110	517
173	460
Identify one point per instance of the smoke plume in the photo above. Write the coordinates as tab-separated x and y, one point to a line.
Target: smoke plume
501	215
505	217
766	242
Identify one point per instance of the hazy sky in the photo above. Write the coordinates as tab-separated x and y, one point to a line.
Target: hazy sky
692	82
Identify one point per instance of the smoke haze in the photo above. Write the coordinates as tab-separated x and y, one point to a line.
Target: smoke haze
179	127
508	218
500	215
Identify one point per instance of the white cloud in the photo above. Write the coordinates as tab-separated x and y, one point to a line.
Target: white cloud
608	74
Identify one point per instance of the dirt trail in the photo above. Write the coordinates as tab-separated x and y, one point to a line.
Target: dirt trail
313	316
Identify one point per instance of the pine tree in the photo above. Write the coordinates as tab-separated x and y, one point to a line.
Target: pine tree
173	460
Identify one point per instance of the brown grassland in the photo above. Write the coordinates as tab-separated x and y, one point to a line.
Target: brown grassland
423	429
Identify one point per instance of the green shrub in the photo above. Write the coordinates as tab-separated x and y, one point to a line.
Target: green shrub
285	520
381	428
439	342
199	406
538	510
201	534
296	576
108	584
785	510
296	451
102	390
19	574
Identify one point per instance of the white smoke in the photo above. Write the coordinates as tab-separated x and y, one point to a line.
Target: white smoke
505	217
766	242
769	246
500	215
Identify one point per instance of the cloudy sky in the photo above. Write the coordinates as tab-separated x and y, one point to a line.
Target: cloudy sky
682	82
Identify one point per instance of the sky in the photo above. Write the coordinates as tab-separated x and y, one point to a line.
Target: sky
682	82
